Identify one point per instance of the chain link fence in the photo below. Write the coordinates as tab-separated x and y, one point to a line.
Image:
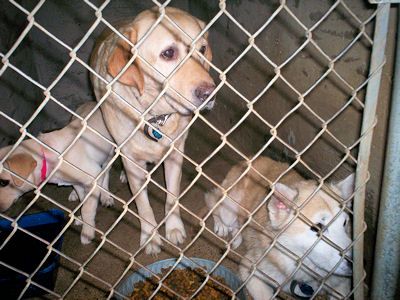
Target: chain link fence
362	95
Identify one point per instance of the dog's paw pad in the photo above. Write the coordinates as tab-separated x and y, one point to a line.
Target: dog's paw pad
122	177
73	196
106	200
176	236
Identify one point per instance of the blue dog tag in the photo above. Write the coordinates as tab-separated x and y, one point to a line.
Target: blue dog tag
157	122
156	134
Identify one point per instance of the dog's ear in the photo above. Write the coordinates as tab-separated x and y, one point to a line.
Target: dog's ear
208	53
279	206
346	186
121	55
21	164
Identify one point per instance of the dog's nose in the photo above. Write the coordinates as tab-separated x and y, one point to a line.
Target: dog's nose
203	91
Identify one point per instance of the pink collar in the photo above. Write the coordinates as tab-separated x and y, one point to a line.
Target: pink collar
43	170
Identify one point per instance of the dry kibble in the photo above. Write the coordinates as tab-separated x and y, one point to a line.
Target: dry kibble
184	282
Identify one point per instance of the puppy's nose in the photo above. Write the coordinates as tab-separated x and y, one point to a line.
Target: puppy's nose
203	91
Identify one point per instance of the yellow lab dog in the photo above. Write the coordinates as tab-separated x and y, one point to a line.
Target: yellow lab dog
162	48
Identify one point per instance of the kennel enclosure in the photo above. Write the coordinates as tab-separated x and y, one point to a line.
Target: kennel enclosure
301	80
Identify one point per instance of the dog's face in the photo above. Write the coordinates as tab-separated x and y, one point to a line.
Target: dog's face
327	218
164	48
11	187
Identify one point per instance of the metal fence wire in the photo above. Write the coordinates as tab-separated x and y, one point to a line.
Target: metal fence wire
355	96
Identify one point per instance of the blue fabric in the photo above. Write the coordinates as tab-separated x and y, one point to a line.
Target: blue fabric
51	216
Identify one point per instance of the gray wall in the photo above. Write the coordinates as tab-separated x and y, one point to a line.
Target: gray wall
43	59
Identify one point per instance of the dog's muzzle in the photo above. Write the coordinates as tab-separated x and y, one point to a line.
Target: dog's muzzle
210	104
203	92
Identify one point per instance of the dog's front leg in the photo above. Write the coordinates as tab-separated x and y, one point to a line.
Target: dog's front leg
136	178
174	229
105	198
88	211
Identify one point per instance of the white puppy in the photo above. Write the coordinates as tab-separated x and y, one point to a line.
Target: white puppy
275	266
33	164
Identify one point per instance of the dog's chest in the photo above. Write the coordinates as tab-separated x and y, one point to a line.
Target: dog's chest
144	142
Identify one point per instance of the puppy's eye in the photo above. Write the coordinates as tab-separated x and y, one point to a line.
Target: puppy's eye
168	54
345	222
317	227
4	182
203	49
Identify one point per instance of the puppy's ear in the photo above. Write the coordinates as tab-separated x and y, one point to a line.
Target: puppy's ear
133	75
21	164
279	206
346	186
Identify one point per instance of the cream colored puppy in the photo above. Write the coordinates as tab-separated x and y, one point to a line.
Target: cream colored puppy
278	219
137	88
34	163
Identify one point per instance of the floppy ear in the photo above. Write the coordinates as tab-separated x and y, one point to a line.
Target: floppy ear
21	164
346	186
133	75
208	53
279	205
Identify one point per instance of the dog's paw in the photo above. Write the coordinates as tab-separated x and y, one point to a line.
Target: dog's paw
220	228
106	200
175	230
153	247
176	236
78	221
237	241
87	234
73	196
122	177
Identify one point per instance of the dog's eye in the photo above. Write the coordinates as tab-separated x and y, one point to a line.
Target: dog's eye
4	182
203	49
317	227
345	223
168	54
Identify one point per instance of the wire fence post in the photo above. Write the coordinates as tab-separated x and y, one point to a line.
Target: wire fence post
369	121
